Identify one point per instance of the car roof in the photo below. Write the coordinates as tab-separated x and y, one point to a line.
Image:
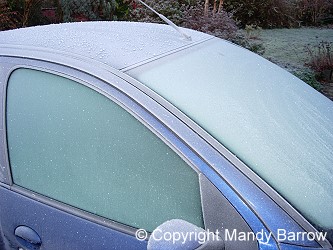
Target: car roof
117	44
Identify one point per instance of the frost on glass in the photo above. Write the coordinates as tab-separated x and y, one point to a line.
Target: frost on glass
279	126
74	145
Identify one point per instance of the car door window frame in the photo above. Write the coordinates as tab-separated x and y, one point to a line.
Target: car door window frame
125	103
60	113
182	143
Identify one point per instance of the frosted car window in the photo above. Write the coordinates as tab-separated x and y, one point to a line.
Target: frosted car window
276	124
70	143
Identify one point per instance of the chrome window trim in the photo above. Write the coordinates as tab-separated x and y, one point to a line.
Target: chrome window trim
164	55
5	176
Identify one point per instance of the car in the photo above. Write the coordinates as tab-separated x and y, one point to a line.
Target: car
125	135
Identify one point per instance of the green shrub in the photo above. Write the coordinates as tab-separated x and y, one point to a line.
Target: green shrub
220	24
94	10
309	77
172	9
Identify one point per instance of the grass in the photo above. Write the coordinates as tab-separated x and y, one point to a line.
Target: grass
289	49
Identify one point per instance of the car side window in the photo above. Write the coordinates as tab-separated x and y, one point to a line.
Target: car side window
70	143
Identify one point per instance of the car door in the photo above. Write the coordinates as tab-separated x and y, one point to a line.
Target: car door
85	173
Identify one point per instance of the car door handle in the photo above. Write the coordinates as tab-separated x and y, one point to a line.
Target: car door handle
28	235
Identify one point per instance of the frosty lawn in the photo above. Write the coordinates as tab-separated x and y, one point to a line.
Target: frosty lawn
287	47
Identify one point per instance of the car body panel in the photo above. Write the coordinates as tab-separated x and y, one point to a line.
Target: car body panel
58	229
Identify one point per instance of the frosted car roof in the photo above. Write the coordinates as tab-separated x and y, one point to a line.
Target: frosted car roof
117	44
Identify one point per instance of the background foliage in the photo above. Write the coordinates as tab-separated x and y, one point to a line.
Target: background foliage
83	10
281	13
202	14
189	15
